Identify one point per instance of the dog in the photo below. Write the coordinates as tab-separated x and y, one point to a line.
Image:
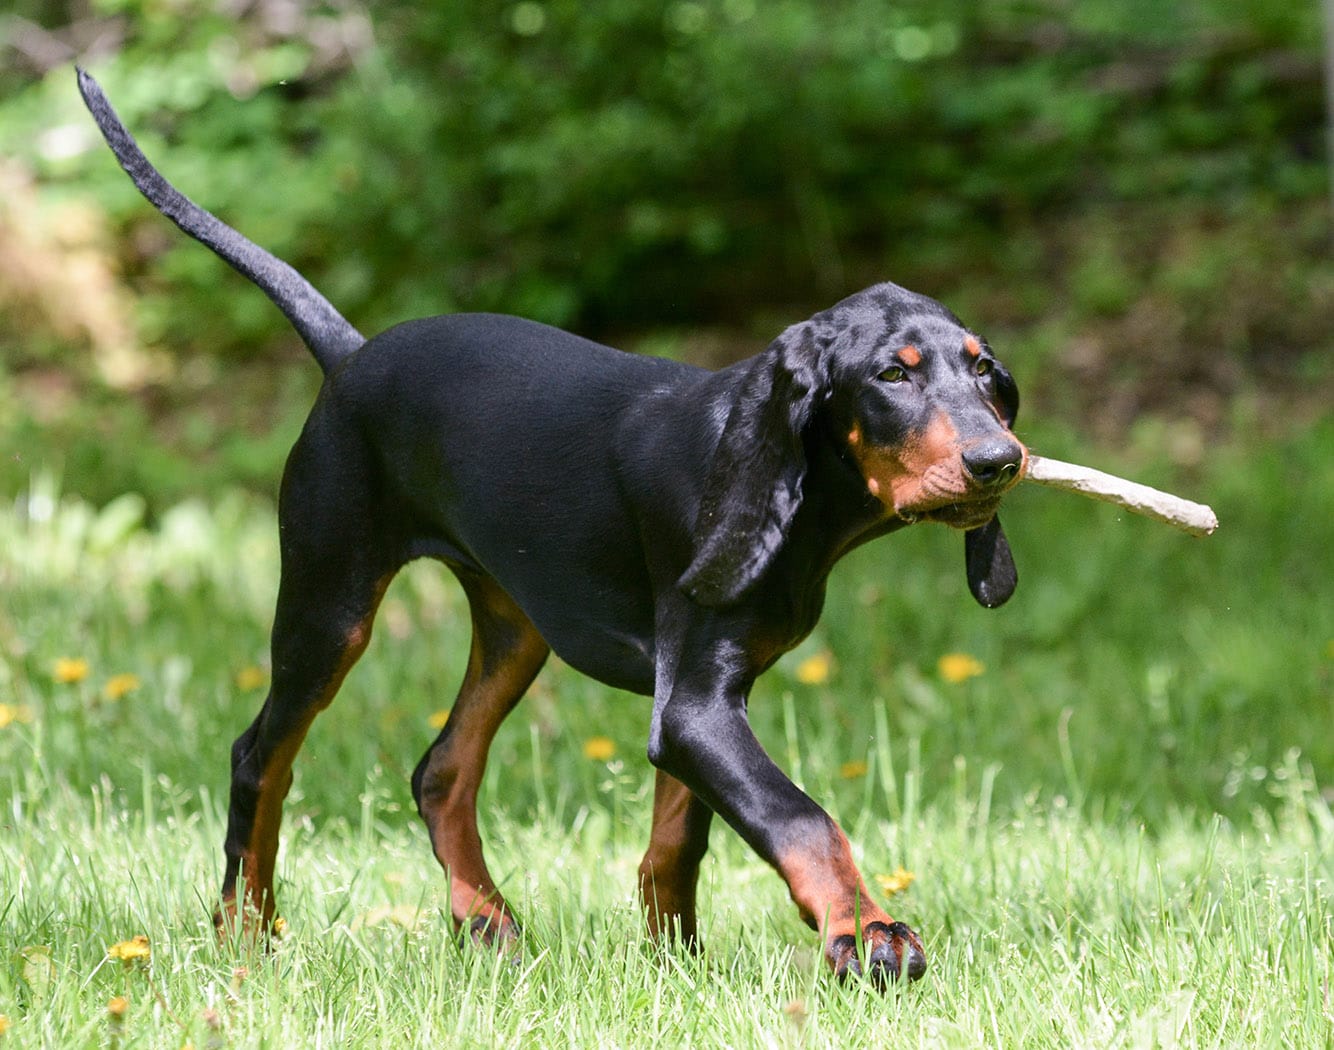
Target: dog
664	528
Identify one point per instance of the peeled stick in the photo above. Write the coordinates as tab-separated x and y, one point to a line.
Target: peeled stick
1194	518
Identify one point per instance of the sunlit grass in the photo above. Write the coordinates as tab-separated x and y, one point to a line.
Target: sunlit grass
1046	927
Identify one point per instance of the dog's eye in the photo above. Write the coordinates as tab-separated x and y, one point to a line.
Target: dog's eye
894	374
984	367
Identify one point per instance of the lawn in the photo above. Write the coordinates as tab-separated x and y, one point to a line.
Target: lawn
1109	795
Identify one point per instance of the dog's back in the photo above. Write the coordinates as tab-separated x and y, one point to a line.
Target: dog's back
527	457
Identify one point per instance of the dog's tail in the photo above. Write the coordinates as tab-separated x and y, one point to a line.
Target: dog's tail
328	334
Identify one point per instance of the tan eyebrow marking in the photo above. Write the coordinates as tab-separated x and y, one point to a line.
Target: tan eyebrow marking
910	356
973	347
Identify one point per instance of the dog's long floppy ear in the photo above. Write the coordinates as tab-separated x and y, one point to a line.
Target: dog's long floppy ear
992	576
753	487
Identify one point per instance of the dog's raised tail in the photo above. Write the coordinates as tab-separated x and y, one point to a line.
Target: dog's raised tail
325	331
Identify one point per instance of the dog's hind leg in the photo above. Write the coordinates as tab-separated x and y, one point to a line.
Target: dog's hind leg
507	652
335	568
312	652
669	871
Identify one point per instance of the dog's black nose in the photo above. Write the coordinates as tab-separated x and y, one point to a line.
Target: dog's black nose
994	462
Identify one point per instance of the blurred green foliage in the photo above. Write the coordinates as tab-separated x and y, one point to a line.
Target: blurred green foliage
684	161
1103	175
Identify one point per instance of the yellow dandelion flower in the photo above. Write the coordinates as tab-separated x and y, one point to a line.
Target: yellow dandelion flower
852	770
136	949
69	669
117	1006
10	713
280	927
814	670
959	667
599	748
119	685
439	718
251	677
896	883
4	1024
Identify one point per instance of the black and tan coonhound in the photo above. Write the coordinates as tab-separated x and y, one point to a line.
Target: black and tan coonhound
665	529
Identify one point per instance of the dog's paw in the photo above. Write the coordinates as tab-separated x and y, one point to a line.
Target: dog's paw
892	951
498	932
245	925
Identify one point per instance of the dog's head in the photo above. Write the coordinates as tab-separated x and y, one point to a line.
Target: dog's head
916	403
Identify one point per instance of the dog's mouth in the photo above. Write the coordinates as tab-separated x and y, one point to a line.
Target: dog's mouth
961	514
946	490
950	497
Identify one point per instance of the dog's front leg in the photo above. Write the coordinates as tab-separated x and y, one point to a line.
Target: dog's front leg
701	736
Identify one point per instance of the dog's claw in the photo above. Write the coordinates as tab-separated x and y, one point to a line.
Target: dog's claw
842	954
893	951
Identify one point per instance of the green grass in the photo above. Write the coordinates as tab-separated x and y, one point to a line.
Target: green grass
1117	829
1046	928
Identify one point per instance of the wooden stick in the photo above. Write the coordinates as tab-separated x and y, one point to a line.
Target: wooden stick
1194	518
